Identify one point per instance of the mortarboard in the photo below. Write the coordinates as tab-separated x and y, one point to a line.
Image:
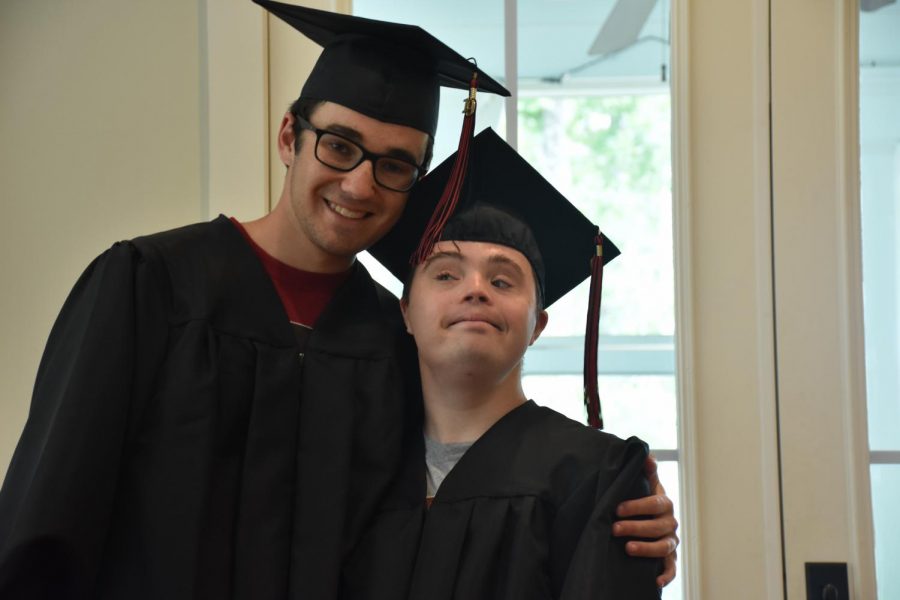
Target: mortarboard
388	71
504	200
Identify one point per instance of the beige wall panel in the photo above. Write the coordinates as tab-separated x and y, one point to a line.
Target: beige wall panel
99	121
237	99
818	293
724	282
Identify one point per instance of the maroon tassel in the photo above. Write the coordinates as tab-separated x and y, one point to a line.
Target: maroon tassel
591	395
449	199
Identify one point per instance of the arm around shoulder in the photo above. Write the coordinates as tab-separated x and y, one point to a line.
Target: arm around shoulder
598	566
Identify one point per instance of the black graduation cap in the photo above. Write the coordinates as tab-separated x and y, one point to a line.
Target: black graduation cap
504	200
388	71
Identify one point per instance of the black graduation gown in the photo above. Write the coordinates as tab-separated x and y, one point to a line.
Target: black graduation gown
178	447
525	514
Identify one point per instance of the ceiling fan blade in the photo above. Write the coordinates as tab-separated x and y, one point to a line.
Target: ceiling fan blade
623	26
871	5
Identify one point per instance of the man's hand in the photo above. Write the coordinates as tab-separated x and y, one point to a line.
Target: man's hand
661	527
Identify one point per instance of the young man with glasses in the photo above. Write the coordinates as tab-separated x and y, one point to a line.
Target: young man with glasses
218	408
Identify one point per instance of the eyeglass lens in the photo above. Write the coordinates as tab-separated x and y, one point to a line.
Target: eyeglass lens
340	153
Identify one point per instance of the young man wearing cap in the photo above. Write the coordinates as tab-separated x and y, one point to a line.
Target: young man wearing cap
219	407
500	498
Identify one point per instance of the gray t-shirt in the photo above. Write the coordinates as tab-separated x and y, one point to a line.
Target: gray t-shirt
439	460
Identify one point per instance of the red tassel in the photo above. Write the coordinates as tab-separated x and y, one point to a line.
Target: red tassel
591	394
450	198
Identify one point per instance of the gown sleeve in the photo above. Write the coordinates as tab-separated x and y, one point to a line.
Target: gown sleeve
587	561
59	492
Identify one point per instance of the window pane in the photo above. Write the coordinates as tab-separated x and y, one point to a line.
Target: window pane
885	500
610	156
879	89
879	130
643	406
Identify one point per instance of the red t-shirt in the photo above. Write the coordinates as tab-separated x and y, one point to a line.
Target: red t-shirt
304	294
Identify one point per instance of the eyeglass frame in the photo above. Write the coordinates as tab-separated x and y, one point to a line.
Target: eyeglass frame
366	155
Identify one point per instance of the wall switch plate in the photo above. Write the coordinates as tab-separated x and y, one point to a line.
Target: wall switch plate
827	581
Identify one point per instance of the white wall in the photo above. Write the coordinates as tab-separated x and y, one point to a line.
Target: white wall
100	116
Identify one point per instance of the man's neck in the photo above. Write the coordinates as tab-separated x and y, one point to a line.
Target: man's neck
279	237
461	407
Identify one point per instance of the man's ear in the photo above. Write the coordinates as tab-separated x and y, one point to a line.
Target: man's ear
539	325
286	139
404	306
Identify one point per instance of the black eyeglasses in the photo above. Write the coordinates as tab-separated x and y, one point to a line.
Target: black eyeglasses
341	153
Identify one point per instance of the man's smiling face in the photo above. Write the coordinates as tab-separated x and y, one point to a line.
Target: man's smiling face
473	303
338	214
